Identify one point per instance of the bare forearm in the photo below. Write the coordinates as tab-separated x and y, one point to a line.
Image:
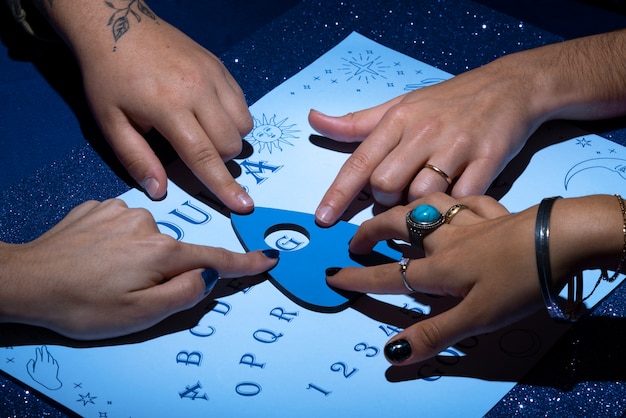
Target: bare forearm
7	283
580	79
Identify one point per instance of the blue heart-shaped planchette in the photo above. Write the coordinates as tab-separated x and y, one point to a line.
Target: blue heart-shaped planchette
306	251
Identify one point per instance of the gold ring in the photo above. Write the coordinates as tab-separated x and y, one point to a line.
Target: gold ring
451	213
440	172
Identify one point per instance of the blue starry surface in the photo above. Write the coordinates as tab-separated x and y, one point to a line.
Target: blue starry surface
53	158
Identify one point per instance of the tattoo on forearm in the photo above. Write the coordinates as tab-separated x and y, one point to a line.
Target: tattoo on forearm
120	21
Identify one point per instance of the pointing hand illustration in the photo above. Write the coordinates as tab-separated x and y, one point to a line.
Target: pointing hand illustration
44	369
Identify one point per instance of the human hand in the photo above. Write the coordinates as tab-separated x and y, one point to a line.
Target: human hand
105	270
484	256
469	127
158	78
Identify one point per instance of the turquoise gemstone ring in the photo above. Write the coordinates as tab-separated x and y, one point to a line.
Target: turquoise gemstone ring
421	221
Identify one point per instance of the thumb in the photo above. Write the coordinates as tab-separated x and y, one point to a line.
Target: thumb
352	127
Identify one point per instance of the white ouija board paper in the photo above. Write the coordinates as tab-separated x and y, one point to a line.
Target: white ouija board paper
252	351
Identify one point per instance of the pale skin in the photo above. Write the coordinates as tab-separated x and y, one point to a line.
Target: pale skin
472	125
105	270
149	76
485	253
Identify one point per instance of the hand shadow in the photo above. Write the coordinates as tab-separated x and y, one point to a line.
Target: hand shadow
591	350
184	178
535	350
548	134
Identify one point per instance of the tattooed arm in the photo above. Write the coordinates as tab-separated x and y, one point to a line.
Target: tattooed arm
140	73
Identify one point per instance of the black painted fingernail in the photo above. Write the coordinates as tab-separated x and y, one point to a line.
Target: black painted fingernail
398	350
331	271
210	277
271	253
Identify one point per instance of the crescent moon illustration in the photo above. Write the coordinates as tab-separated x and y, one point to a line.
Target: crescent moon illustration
616	165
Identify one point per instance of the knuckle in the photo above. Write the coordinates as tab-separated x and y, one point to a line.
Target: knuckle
135	164
91	204
166	243
188	292
225	260
400	113
245	124
386	184
397	212
115	203
424	186
336	196
429	336
141	214
204	156
137	218
231	149
358	162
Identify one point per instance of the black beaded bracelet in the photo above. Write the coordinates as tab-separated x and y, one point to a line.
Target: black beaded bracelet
573	308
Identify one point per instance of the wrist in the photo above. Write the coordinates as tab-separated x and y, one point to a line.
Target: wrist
91	28
586	233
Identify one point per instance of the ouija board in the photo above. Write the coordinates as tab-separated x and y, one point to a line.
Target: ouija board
266	346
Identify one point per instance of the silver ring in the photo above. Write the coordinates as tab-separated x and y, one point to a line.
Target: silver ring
404	264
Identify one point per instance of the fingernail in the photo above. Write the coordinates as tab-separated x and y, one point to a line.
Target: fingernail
151	186
331	271
271	253
245	200
398	350
210	277
324	214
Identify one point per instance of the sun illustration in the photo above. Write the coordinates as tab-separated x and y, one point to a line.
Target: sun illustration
269	134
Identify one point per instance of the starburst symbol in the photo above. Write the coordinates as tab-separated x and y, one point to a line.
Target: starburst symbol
364	67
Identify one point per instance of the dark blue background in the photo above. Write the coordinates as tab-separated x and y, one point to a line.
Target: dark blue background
52	157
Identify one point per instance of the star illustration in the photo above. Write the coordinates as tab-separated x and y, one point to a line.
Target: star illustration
85	399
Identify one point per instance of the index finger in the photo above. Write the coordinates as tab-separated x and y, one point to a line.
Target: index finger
355	174
227	263
352	127
199	153
351	179
186	262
